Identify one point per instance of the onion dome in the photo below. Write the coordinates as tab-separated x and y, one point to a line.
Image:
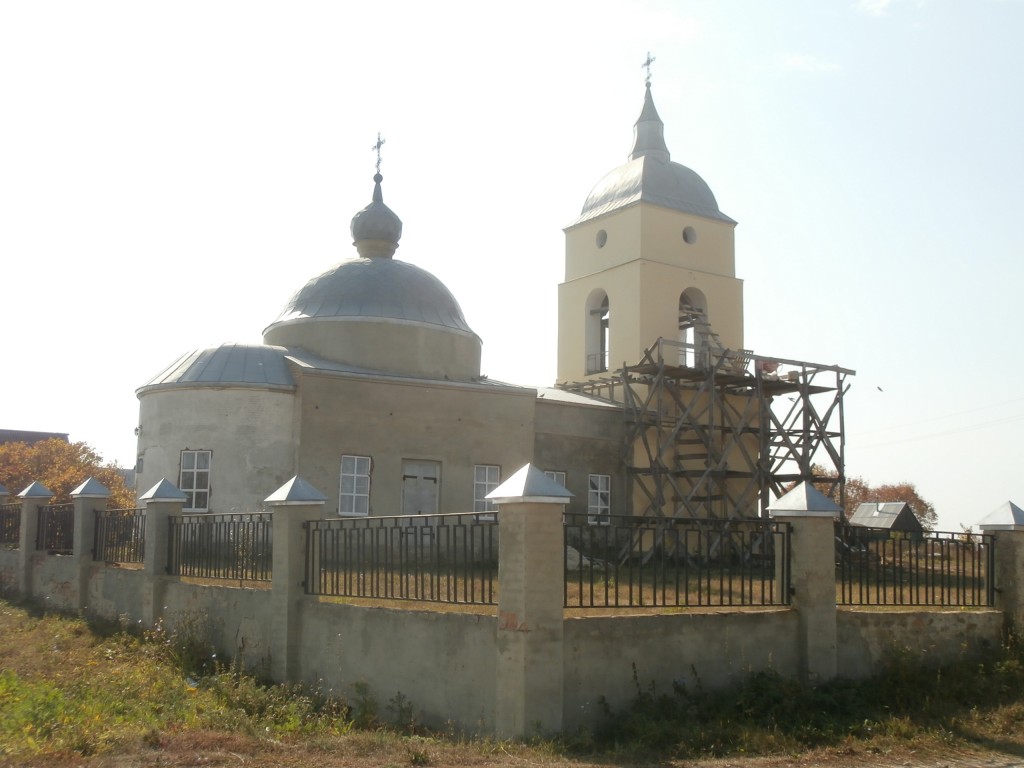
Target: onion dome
397	317
376	229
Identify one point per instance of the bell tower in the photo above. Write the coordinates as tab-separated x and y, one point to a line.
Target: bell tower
650	256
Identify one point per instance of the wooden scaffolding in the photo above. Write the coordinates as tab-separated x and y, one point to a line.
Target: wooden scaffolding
717	433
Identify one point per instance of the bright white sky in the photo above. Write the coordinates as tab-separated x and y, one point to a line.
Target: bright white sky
170	173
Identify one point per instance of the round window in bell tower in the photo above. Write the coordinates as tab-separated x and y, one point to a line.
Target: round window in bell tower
689	235
602	238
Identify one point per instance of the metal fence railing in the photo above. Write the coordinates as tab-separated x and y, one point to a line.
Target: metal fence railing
10	524
56	529
236	546
120	535
450	558
633	562
876	566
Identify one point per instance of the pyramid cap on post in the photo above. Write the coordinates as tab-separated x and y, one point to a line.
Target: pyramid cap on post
91	489
36	490
804	501
296	491
1006	517
531	486
164	490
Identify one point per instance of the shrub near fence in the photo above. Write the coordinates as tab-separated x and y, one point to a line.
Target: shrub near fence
237	546
450	558
631	562
876	566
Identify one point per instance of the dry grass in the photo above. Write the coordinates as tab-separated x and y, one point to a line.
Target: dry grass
72	693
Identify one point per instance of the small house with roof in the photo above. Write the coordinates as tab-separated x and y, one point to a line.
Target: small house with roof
892	516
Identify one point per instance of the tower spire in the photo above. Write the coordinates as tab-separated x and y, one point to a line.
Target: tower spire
649	131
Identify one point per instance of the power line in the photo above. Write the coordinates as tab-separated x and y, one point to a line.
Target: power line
944	433
938	418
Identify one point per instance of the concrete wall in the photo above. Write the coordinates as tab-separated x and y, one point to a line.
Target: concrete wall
393	421
713	650
8	569
249	430
442	663
866	639
115	592
521	663
581	440
54	580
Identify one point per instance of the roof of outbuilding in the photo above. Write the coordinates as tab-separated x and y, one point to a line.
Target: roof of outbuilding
885	514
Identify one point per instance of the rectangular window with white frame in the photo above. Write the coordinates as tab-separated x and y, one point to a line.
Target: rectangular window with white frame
194	479
558	477
354	491
486	477
599	499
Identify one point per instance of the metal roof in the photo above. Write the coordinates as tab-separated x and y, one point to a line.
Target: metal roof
238	364
376	288
650	176
885	514
651	180
552	394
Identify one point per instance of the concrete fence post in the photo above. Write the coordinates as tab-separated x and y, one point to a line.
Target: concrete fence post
35	495
88	497
162	501
531	575
812	577
1007	525
293	504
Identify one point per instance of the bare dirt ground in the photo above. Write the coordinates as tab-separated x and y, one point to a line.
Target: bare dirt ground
386	751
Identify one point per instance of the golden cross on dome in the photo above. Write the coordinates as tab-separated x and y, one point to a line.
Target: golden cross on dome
647	65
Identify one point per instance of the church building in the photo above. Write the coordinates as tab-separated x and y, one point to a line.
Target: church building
368	382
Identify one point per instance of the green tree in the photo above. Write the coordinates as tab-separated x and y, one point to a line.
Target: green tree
61	467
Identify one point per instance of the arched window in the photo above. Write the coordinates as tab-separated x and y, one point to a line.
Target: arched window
597	332
693	329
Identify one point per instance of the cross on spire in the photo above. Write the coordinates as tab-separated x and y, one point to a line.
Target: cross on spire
647	65
376	147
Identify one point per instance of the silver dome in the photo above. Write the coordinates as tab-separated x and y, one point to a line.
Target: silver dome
376	288
650	176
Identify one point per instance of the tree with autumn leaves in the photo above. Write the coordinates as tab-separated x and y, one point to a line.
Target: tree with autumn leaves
859	490
61	467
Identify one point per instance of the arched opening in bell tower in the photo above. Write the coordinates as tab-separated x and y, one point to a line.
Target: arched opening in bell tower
693	329
598	327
